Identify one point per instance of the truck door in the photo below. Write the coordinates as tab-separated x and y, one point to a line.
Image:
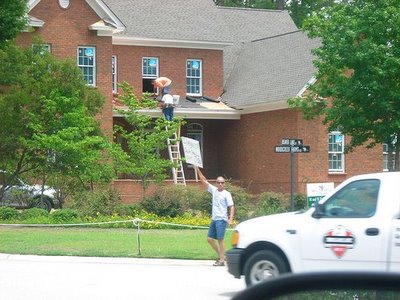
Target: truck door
346	232
394	251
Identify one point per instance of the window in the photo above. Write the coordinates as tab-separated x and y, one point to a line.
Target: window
149	73
195	132
41	48
386	158
87	63
193	77
114	73
357	199
336	152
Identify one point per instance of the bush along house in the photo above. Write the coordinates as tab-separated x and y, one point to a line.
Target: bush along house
233	68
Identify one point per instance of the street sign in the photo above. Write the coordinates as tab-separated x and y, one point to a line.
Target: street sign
300	149
291	142
292	149
282	149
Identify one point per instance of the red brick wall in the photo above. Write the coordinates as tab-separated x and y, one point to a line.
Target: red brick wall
67	29
172	64
246	153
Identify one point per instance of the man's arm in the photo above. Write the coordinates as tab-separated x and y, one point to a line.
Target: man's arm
201	176
231	214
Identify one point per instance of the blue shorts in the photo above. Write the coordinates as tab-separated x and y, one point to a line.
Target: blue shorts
217	229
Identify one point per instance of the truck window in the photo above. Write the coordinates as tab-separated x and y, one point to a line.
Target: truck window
356	200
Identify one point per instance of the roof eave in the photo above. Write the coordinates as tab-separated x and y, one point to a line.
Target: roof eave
169	43
263	107
187	113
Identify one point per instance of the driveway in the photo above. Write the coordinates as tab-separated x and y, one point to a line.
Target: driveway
60	277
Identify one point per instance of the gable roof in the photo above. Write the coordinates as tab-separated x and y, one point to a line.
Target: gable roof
108	24
270	71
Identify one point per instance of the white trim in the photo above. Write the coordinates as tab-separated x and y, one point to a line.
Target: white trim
190	113
35	22
32	4
258	108
114	73
106	14
147	42
304	88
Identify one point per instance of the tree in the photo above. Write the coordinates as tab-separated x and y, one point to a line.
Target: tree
144	140
299	10
357	89
47	117
12	19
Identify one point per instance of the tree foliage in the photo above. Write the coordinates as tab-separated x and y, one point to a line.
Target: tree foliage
47	117
12	19
144	140
299	10
359	71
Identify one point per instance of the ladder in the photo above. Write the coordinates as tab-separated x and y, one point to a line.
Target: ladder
175	156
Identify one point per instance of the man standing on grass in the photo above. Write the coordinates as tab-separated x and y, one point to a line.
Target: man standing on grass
221	203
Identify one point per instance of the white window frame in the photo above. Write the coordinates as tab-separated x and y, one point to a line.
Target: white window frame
86	66
114	72
149	75
190	78
45	48
195	131
336	158
146	76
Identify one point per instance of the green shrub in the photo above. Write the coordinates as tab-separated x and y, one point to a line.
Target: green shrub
64	215
243	201
89	203
33	213
273	203
128	210
175	200
8	213
162	206
300	201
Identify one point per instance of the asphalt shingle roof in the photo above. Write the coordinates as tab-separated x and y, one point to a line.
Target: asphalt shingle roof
272	69
197	20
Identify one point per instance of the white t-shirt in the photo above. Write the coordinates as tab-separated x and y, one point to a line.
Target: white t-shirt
167	99
221	200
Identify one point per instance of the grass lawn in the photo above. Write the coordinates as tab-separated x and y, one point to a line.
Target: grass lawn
154	243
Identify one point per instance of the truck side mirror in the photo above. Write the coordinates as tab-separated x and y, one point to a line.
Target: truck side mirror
319	211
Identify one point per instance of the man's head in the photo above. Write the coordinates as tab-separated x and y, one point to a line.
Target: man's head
220	182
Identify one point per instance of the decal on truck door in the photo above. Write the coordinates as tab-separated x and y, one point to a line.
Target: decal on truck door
339	240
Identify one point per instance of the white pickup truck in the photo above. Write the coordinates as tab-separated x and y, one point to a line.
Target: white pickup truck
356	227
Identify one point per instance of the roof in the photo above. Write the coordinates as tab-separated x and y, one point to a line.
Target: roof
270	71
190	20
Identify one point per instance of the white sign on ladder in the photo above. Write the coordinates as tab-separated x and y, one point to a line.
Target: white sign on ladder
191	148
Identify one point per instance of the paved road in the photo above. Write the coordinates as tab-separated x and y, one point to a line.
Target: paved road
32	277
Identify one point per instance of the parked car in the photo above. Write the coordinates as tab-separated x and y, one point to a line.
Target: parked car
19	194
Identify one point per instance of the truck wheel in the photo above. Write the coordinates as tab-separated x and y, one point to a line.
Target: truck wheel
262	266
44	204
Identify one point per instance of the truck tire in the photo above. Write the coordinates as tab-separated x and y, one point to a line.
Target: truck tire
262	266
44	203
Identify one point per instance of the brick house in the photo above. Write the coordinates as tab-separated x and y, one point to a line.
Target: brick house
233	68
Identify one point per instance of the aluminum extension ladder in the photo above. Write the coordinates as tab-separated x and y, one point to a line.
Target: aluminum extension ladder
175	156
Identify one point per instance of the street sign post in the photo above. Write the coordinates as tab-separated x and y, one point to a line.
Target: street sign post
292	146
